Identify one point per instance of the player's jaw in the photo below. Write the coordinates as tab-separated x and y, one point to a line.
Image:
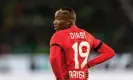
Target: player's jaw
59	26
56	27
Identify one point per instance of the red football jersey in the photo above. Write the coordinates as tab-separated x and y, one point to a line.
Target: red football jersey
76	45
71	50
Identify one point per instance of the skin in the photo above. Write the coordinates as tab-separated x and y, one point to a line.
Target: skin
62	20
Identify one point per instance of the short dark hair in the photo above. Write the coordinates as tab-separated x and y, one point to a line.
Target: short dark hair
71	11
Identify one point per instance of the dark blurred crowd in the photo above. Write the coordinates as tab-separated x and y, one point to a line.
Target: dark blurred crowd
27	25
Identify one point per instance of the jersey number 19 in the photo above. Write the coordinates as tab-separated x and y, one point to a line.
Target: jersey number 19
78	49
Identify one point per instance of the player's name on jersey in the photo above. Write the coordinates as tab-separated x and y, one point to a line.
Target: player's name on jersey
77	74
77	35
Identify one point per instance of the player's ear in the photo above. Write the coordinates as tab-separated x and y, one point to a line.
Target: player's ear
69	22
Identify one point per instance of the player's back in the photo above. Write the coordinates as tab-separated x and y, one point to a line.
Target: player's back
77	45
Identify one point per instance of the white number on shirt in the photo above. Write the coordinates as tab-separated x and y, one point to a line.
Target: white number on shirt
78	48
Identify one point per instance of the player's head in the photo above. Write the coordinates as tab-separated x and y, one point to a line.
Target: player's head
64	18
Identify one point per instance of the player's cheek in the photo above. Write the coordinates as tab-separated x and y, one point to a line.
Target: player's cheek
63	22
60	23
56	22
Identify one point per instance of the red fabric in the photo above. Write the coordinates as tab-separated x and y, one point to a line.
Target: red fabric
64	61
105	54
55	61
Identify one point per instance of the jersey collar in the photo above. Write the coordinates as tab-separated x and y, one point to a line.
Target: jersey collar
74	26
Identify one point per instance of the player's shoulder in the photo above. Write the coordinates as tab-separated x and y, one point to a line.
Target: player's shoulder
57	37
57	34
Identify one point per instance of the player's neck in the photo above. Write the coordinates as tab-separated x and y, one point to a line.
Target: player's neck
73	24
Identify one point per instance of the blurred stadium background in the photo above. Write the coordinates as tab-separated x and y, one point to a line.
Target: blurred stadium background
26	28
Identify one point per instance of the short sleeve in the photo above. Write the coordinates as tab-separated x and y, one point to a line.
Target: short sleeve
56	40
93	41
96	42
